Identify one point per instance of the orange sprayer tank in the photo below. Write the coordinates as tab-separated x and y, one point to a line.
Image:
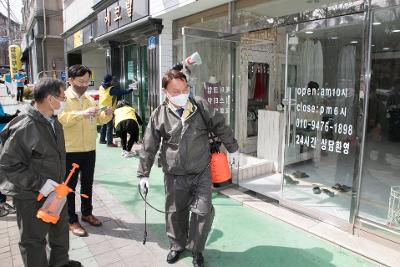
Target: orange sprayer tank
55	202
220	173
51	209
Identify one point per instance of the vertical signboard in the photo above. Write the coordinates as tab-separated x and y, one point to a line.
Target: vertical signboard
14	53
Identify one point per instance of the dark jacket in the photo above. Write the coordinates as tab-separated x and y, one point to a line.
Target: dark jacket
31	153
185	146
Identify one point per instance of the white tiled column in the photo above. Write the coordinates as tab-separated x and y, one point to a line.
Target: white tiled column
165	50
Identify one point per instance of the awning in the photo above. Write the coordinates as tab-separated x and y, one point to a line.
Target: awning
144	26
24	43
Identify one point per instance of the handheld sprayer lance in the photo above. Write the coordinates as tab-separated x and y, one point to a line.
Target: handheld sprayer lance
146	190
51	209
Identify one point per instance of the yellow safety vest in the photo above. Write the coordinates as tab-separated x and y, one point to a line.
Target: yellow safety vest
105	99
124	113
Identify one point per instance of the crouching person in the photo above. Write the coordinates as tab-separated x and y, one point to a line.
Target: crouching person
184	158
126	121
32	161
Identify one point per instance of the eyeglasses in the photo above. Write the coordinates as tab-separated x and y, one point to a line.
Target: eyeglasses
60	98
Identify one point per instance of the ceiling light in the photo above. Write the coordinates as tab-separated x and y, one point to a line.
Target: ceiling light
334	37
309	32
373	45
354	42
386	48
377	23
395	30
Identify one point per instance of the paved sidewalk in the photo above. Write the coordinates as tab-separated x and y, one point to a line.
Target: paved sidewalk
240	236
117	243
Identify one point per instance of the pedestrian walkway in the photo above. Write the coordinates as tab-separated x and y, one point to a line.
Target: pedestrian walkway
240	236
10	104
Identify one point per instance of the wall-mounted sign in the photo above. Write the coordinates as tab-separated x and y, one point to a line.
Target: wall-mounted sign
78	39
121	13
63	76
151	42
130	70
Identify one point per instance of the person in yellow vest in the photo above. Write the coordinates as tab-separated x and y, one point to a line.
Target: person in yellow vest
126	121
79	119
108	97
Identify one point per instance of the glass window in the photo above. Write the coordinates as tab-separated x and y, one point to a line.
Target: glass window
215	19
212	78
381	180
324	65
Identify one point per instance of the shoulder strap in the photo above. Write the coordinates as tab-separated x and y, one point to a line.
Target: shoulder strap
214	146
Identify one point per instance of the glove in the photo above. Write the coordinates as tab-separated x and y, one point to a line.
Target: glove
48	187
144	184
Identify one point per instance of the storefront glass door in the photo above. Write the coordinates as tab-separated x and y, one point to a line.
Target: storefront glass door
323	70
209	59
136	78
380	186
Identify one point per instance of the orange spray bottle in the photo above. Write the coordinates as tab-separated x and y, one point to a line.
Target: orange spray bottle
51	209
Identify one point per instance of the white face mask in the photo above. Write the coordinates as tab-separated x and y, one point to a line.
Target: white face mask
58	110
179	100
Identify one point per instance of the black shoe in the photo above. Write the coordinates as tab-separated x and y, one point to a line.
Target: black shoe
328	192
316	190
72	263
102	142
173	255
289	180
198	260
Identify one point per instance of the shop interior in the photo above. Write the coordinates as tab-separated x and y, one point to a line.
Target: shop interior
317	169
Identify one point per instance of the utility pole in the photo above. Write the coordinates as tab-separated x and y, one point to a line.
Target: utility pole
8	23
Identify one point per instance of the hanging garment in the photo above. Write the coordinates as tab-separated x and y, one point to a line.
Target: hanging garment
259	89
251	81
346	78
318	71
311	67
307	63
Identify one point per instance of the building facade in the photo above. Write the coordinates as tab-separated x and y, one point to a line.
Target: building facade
310	87
41	43
312	91
119	38
15	38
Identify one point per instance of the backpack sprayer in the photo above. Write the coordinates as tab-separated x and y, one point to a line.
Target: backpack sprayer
51	209
219	167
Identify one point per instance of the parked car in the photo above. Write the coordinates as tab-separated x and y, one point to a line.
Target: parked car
94	93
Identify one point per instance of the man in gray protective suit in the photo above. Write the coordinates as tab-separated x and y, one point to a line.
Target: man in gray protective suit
32	160
184	158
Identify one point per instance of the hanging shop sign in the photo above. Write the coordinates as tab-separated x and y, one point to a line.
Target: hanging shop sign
121	13
14	53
